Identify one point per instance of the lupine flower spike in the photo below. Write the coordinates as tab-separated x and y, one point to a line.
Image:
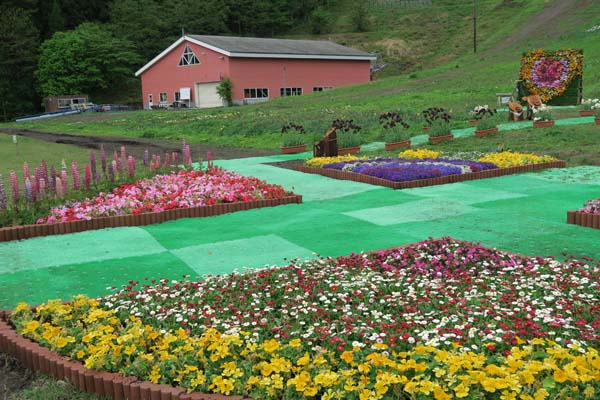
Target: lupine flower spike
93	164
103	159
3	201
88	177
14	185
131	166
75	173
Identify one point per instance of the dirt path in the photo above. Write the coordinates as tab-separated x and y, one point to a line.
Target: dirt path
136	146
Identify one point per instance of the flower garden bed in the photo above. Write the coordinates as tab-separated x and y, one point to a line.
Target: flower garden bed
404	174
441	318
588	216
186	194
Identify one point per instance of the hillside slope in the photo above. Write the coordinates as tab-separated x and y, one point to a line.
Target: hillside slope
459	83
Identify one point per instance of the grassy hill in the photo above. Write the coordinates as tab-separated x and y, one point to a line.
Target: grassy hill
438	39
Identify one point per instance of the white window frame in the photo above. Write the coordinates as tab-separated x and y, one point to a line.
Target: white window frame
188	57
321	88
150	98
290	91
256	93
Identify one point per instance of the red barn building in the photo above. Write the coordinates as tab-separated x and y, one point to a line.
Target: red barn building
188	72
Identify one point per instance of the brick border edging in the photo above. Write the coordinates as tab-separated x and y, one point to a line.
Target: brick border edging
35	230
110	384
583	219
490	173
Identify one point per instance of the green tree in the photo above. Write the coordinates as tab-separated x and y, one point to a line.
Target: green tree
56	19
360	16
87	60
320	21
18	56
225	90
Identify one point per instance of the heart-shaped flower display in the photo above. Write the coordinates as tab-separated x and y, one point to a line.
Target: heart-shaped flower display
549	73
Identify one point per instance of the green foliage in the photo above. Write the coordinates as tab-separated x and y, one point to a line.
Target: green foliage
320	21
86	60
18	57
360	16
293	134
488	120
225	90
439	127
56	19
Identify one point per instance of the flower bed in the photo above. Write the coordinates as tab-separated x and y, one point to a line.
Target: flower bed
161	198
587	216
442	318
401	173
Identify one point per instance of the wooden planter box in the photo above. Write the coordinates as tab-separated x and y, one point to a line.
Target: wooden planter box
543	124
299	148
439	139
29	231
583	219
397	145
490	173
485	132
597	121
344	151
586	113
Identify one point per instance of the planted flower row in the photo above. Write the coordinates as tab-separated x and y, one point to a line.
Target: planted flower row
441	318
183	189
425	165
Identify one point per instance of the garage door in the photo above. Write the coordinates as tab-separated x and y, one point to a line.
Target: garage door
207	96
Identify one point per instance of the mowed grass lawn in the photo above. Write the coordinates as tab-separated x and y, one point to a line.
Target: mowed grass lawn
33	151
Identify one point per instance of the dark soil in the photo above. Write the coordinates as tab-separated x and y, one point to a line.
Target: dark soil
290	164
137	146
14	377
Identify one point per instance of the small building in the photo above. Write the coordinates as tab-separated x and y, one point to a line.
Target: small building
188	72
63	103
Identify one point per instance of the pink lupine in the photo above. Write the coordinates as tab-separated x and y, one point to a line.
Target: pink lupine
167	159
26	172
131	166
75	174
3	200
123	156
88	177
42	189
14	185
52	180
103	158
60	191
187	155
44	170
36	182
112	170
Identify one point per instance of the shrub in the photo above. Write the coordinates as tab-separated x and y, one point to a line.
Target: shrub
348	133
396	129
439	127
292	135
488	120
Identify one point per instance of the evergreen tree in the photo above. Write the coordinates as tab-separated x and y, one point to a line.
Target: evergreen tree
18	57
56	19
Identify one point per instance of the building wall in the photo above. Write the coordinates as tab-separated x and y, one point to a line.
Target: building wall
275	73
167	76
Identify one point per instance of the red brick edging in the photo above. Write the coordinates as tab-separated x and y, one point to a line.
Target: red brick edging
583	219
109	384
490	173
29	231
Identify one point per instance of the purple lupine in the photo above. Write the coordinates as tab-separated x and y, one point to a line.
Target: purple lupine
52	180
97	176
75	174
60	190
103	159
93	164
146	157
14	185
3	201
131	166
88	177
112	169
28	191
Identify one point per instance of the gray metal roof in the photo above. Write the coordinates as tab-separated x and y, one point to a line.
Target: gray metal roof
278	46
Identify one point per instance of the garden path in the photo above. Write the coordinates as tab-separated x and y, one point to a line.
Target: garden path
520	213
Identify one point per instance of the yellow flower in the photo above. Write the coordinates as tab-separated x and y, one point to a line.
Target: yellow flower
21	307
440	394
559	375
154	375
540	394
304	360
461	390
420	153
270	345
222	385
63	341
30	327
295	342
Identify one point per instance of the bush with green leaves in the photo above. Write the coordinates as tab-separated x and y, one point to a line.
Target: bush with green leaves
292	135
348	133
433	114
439	127
396	129
488	119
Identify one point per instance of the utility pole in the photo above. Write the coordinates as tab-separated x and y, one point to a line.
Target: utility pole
474	26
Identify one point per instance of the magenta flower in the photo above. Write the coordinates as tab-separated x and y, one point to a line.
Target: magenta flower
26	172
75	174
3	200
14	185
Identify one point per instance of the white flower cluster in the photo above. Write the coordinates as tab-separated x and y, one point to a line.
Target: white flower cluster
593	103
478	109
594	28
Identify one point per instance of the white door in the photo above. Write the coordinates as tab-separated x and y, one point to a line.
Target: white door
207	96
